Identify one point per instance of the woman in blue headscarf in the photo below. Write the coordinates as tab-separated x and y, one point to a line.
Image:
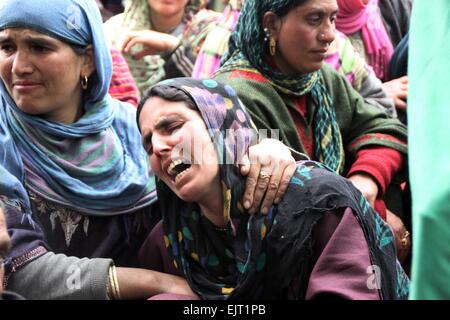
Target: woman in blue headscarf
74	177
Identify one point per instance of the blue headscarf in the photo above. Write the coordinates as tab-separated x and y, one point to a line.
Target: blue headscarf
96	165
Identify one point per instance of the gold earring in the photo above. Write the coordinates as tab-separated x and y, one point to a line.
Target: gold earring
84	82
272	46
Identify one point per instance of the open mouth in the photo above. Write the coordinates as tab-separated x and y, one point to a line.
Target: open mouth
178	168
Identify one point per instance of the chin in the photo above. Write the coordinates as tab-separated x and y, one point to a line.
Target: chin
186	195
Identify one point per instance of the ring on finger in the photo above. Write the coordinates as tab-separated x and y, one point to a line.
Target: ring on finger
264	175
405	238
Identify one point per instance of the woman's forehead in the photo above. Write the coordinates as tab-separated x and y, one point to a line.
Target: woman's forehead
26	33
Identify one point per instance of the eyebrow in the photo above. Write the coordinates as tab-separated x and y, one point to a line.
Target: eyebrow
161	125
35	40
166	122
321	11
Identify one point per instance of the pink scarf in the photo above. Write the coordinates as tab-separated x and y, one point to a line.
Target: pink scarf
355	15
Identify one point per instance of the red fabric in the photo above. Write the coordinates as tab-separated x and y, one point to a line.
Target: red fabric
306	136
123	86
376	136
380	208
247	75
381	163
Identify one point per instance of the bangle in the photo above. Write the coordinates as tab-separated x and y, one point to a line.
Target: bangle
113	284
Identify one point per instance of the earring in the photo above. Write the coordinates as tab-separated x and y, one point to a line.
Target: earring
84	82
272	46
267	34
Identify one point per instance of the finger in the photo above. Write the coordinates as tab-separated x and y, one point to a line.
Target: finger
272	188
400	104
403	95
404	79
250	183
261	188
145	52
245	165
285	180
130	43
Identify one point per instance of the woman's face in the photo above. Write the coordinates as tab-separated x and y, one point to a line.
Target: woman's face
180	148
42	74
303	36
167	7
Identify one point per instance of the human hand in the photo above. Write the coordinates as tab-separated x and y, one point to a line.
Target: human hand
397	89
366	185
269	169
402	236
154	43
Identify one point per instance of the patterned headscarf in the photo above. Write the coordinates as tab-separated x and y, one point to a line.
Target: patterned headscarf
248	51
96	165
248	259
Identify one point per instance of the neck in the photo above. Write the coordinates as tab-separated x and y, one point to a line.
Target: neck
165	23
212	206
69	114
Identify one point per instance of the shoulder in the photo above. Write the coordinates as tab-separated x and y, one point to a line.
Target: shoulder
251	87
337	85
112	27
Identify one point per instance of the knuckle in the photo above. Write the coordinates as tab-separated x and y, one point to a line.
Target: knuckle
262	184
251	182
273	185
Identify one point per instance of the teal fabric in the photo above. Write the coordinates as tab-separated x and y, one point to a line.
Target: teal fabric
428	124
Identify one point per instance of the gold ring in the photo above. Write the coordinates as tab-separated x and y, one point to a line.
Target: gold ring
264	175
405	238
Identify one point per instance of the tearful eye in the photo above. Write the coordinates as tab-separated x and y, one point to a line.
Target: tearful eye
6	48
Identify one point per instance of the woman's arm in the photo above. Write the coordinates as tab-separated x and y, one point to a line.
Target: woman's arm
56	276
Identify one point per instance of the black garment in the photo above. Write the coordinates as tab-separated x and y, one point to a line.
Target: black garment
9	296
396	15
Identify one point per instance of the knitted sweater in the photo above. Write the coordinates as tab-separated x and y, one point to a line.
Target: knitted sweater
361	124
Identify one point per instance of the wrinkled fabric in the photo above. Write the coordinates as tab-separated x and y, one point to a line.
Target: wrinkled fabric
247	50
354	16
243	261
97	164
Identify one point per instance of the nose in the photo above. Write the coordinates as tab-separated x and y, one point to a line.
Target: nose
21	63
161	145
328	32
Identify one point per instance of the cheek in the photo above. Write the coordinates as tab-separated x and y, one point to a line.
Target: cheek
156	165
5	70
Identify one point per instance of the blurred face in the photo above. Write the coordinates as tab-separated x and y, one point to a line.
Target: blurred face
180	149
4	245
303	36
168	7
42	74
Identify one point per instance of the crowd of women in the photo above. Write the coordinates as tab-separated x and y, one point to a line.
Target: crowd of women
92	186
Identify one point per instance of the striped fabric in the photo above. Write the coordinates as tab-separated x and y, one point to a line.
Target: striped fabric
216	42
122	86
